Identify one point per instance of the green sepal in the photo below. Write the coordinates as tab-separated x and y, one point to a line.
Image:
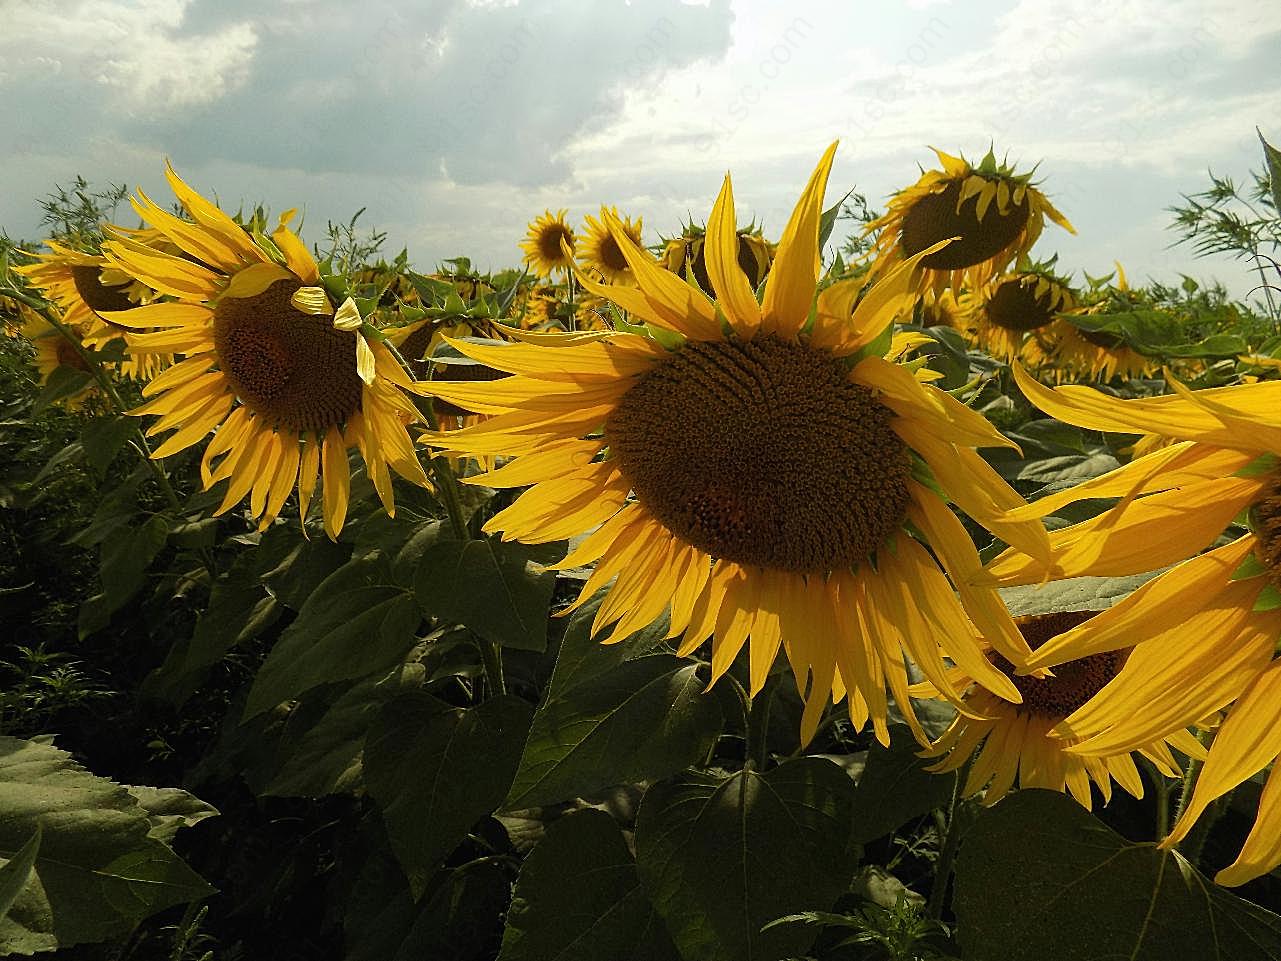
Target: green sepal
1260	465
1250	567
1269	599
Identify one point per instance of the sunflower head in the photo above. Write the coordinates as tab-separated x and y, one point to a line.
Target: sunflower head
756	466
1012	743
1005	311
994	213
600	252
53	350
685	253
545	241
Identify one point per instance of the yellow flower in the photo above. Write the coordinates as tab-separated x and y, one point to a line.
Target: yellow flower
271	368
757	469
1006	309
996	214
1205	632
1062	352
1012	742
544	241
941	309
86	289
54	350
599	251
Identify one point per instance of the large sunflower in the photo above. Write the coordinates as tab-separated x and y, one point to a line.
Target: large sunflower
599	252
1002	313
545	241
1206	631
85	287
757	469
1012	743
286	383
996	213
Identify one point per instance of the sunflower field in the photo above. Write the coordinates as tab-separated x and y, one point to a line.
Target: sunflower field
875	590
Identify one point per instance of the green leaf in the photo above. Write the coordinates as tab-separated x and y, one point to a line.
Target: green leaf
827	222
63	382
319	756
239	610
1272	158
103	438
436	770
613	714
721	858
1039	877
16	872
895	787
500	590
123	568
578	898
293	569
170	808
352	626
1216	345
98	871
1072	594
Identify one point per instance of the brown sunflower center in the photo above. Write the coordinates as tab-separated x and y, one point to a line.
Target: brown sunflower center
1015	305
1265	521
96	294
415	347
611	255
68	356
1073	683
763	452
292	368
549	241
937	217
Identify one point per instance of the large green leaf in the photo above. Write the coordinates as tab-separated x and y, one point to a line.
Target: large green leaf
353	625
436	770
722	857
895	787
239	609
16	872
500	590
99	870
123	568
1040	877
1072	594
1272	159
579	898
613	714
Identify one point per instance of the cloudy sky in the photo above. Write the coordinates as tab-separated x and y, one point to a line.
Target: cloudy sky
454	122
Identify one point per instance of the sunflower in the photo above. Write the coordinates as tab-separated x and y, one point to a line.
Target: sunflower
996	213
940	309
600	253
686	253
1205	632
1012	742
10	317
419	341
544	241
1002	313
287	383
53	351
85	287
757	469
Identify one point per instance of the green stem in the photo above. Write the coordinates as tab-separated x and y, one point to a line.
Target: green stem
758	725
573	314
1162	792
447	487
947	854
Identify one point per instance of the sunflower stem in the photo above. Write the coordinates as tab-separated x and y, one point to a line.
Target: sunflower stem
947	854
758	725
1190	774
447	487
573	314
1162	792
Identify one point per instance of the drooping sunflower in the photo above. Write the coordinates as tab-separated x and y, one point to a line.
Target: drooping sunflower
543	244
54	350
1205	633
286	383
762	478
1011	743
85	288
996	213
941	309
1003	312
686	252
599	251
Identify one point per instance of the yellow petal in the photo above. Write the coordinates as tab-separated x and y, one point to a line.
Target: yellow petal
790	287
720	251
